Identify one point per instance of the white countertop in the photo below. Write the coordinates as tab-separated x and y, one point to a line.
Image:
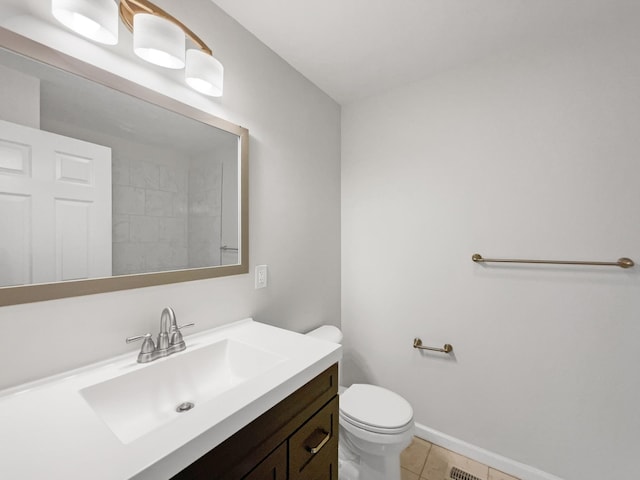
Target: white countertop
48	430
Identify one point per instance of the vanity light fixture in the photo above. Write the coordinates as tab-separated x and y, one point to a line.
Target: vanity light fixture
158	37
97	20
158	41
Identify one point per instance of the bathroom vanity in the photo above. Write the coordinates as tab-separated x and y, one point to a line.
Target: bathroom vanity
296	439
265	406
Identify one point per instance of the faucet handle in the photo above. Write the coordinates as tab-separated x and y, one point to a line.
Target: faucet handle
147	342
175	327
176	334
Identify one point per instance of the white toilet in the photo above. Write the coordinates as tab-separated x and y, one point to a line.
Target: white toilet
376	424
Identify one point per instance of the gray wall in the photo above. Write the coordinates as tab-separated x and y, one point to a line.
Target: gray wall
532	154
19	98
294	210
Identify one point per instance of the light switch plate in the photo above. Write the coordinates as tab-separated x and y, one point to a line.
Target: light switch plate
261	276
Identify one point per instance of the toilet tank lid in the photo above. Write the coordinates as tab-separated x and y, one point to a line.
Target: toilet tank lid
328	333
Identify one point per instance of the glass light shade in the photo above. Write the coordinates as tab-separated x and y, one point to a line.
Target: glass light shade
95	19
159	41
204	73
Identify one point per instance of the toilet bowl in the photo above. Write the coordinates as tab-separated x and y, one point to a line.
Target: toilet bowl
376	424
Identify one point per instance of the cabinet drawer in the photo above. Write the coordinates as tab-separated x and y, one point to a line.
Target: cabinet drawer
313	449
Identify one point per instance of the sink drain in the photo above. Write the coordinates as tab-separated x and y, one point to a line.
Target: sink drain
184	407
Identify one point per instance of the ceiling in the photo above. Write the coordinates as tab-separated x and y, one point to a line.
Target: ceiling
356	48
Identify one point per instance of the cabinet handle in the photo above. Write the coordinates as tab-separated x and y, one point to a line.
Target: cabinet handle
317	448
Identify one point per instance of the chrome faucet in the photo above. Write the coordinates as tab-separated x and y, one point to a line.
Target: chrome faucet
169	338
163	336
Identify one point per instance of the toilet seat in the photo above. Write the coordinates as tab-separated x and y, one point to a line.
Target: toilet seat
375	409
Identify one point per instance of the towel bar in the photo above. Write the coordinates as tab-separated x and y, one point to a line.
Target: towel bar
623	262
417	343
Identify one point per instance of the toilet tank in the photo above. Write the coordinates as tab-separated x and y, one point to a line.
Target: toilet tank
328	333
332	334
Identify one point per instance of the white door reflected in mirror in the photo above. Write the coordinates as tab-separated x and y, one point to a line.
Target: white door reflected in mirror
55	200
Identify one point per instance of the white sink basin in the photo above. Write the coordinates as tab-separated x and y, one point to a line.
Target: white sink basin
143	400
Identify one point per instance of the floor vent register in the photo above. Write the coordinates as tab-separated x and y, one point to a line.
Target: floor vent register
457	474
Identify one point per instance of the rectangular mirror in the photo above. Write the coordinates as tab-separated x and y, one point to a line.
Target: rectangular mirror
106	185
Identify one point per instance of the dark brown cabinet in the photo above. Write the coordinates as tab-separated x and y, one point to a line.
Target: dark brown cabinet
274	467
295	440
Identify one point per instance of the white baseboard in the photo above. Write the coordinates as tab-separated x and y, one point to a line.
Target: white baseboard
498	462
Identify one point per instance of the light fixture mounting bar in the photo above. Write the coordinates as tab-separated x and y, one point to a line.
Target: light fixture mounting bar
128	8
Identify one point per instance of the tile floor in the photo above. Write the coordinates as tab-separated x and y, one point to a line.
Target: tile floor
425	461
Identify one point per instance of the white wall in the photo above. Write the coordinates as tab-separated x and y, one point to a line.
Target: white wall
294	212
532	154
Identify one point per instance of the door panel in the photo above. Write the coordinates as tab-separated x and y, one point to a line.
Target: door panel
55	193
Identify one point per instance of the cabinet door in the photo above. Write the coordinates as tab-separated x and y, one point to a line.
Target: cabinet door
313	449
274	467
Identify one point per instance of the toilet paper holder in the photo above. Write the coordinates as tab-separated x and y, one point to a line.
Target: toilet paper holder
447	348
